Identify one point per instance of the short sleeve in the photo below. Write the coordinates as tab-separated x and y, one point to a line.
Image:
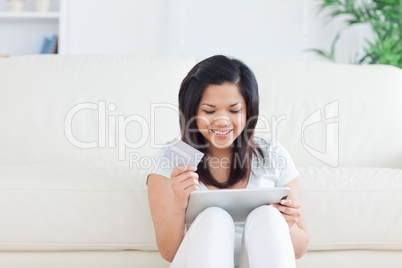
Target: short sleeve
285	167
161	165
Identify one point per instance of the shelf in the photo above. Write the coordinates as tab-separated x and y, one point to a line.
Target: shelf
29	15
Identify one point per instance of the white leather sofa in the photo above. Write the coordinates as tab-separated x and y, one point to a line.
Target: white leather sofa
77	133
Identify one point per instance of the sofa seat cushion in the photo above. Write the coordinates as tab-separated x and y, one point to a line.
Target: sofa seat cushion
95	207
73	207
352	208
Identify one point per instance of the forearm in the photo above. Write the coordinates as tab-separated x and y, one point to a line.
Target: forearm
300	240
171	234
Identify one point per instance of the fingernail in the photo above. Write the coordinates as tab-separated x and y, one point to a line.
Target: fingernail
283	201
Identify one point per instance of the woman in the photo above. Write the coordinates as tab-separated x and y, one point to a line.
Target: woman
218	102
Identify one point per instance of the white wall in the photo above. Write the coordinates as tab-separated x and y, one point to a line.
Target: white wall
273	29
270	29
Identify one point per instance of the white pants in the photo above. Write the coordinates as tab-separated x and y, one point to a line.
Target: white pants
210	241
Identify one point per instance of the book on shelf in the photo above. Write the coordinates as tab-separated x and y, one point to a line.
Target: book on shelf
48	45
43	45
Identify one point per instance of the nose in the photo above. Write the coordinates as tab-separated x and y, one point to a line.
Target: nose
221	121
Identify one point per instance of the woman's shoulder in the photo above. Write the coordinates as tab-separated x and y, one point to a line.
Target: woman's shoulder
266	144
276	161
262	141
269	147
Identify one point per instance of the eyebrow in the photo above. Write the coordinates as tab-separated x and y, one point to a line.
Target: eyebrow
210	105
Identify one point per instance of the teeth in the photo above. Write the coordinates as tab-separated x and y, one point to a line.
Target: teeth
221	133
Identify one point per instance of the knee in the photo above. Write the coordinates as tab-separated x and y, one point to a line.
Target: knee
266	212
267	221
217	216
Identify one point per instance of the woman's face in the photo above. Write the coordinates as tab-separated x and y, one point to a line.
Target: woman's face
221	114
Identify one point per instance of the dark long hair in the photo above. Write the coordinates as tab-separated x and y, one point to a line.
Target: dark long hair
217	70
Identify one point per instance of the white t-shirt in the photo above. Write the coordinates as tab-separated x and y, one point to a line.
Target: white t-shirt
276	169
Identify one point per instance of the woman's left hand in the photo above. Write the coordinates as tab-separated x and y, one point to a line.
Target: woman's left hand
291	211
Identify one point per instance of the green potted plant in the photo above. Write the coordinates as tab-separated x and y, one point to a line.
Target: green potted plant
385	20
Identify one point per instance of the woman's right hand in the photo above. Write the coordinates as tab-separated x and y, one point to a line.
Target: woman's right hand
184	180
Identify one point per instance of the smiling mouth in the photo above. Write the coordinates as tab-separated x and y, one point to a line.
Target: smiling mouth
221	132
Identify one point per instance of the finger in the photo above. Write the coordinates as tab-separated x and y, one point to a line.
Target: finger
189	182
290	203
191	188
287	210
184	176
185	193
291	215
184	181
181	169
186	187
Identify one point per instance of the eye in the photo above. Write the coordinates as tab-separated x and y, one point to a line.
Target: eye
235	111
209	112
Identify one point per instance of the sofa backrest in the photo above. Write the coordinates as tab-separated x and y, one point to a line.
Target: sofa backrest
336	114
68	109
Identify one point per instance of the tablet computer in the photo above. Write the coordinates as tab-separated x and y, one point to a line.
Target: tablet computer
237	202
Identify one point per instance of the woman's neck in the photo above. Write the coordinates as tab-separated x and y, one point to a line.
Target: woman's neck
219	160
214	152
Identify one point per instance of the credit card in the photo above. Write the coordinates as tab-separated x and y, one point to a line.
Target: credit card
181	153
